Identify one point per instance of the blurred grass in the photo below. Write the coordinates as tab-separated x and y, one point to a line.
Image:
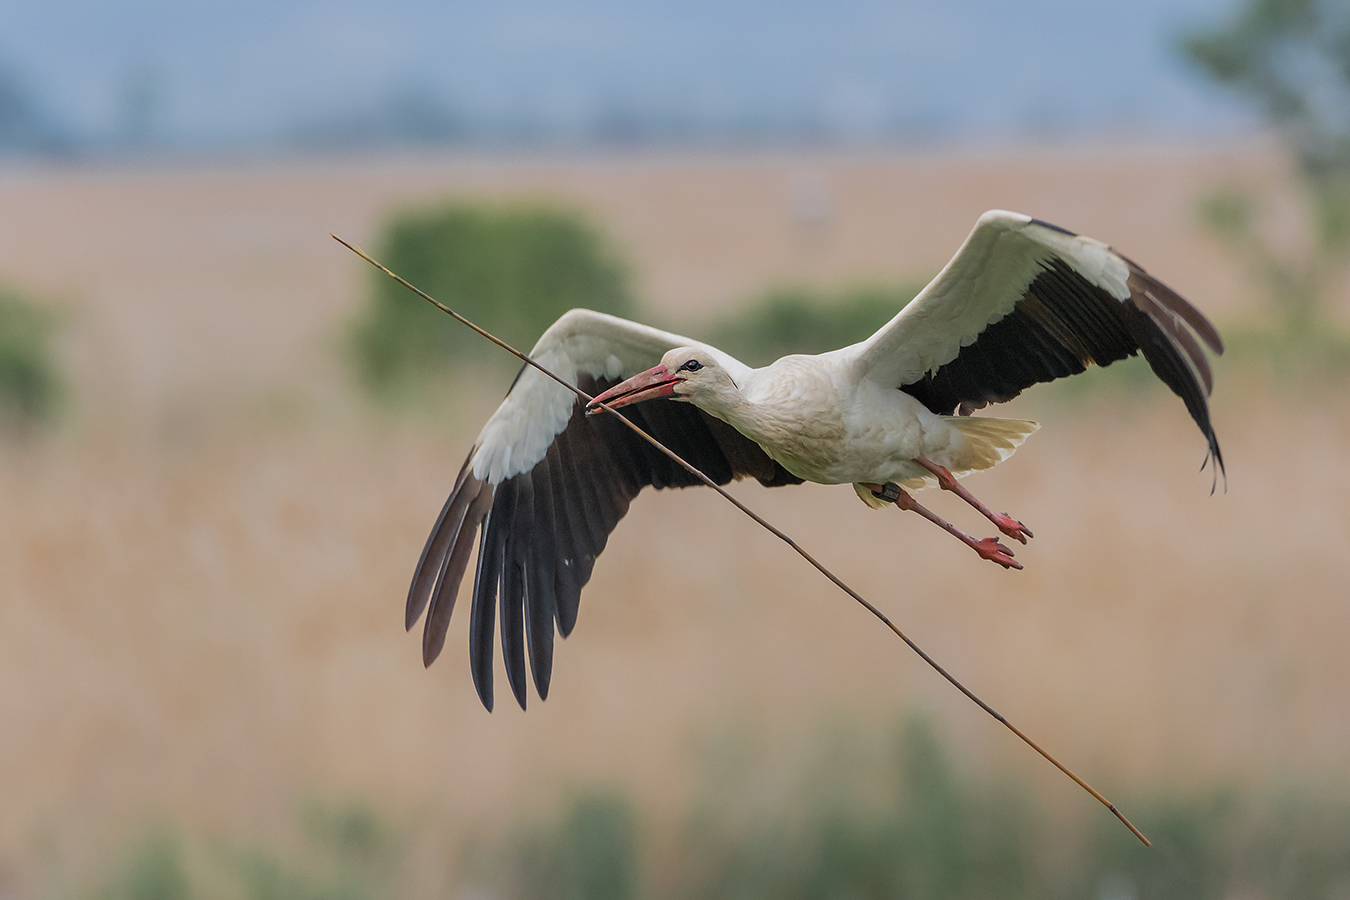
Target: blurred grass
229	588
922	830
1290	352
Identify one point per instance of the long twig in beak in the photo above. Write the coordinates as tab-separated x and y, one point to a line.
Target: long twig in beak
587	398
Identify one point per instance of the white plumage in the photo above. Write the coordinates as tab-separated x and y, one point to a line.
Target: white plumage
581	343
1021	302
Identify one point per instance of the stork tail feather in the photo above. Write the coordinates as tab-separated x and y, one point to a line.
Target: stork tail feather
989	441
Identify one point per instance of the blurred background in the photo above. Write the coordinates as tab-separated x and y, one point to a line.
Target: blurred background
223	442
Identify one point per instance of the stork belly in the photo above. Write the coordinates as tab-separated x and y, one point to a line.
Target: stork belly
841	472
837	462
867	448
866	433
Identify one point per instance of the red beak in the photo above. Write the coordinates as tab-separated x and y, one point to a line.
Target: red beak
653	383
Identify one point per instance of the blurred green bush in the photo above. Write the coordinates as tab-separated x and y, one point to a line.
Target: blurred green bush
30	384
590	853
347	853
797	319
511	269
154	870
924	832
927	831
903	822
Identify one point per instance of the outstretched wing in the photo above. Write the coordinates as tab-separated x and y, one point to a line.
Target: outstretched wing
545	485
1024	301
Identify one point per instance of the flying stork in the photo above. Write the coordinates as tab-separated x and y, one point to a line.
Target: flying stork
1021	302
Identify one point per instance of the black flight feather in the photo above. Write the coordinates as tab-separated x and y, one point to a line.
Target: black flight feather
1063	323
542	530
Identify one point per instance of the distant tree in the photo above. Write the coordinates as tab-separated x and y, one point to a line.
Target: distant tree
511	269
30	385
1291	60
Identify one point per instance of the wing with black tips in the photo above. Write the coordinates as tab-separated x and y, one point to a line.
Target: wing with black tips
1023	302
545	485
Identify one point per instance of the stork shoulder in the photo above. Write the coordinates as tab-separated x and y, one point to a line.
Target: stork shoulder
537	408
982	283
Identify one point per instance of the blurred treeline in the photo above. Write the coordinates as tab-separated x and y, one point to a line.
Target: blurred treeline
514	269
911	825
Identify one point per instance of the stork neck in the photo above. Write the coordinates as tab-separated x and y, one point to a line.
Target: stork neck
731	406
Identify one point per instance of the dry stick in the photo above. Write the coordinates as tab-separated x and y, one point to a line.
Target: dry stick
780	535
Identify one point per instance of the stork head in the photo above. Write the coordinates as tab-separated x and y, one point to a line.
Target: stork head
684	373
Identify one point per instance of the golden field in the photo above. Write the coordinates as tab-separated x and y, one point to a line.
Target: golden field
204	563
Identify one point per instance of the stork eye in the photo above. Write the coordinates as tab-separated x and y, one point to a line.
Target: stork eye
692	366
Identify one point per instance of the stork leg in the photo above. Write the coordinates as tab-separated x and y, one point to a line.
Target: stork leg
947	481
988	548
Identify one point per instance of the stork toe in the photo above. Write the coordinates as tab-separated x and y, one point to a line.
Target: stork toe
989	548
1011	527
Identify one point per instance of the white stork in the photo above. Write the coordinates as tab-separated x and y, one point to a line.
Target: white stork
1022	302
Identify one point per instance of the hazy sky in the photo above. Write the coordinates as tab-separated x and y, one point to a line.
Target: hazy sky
214	70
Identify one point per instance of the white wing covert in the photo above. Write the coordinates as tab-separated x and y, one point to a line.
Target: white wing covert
1023	302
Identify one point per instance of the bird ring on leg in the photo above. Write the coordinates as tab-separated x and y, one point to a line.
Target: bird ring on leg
890	492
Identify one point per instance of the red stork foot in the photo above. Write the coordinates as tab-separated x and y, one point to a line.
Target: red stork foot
989	548
1011	527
